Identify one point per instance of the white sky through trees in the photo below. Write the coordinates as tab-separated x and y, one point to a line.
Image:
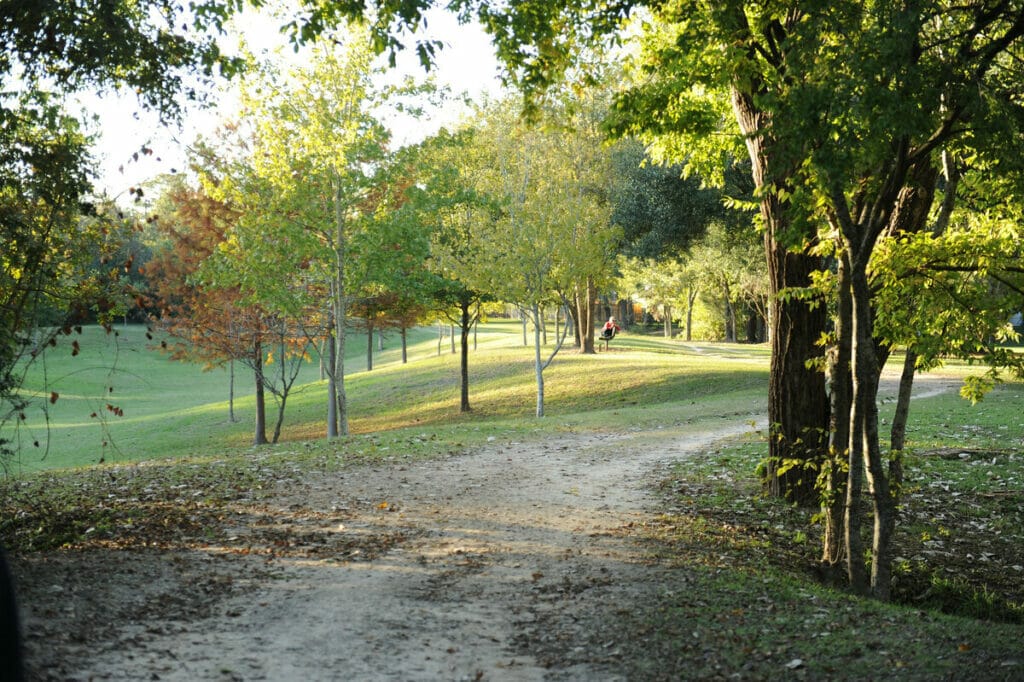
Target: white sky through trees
467	64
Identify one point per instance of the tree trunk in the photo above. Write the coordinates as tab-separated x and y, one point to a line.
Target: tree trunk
231	391
864	439
466	324
369	346
798	408
730	314
898	433
691	297
797	401
586	298
538	365
332	404
403	333
834	502
260	430
572	310
668	320
280	418
340	309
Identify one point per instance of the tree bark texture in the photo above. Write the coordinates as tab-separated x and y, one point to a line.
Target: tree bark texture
798	405
798	409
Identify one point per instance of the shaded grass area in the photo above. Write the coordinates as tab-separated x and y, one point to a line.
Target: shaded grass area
749	602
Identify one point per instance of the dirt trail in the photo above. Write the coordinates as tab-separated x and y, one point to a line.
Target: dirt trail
501	565
506	559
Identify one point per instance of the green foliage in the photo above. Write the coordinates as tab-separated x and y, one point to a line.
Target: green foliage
46	283
660	211
156	49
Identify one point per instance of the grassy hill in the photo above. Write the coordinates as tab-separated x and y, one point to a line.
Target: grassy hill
173	409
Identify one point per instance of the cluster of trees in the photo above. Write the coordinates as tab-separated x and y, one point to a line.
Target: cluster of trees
881	148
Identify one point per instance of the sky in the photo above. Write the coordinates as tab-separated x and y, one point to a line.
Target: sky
467	64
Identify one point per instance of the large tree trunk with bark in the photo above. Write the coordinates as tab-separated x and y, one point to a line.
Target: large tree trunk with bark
798	410
798	406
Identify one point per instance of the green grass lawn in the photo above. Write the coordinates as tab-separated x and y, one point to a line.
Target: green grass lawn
120	399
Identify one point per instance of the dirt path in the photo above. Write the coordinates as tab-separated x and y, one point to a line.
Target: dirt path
499	565
498	568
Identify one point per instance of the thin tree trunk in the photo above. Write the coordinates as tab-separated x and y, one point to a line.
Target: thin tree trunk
730	314
369	346
231	391
691	296
898	433
586	300
864	440
465	325
340	309
668	320
405	344
538	366
260	426
280	418
332	404
573	318
834	502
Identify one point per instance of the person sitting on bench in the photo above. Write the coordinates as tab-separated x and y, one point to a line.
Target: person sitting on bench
609	331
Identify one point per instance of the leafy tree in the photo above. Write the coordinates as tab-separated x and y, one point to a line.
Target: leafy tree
660	211
731	265
47	50
311	175
456	212
844	109
665	282
217	324
156	49
553	229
